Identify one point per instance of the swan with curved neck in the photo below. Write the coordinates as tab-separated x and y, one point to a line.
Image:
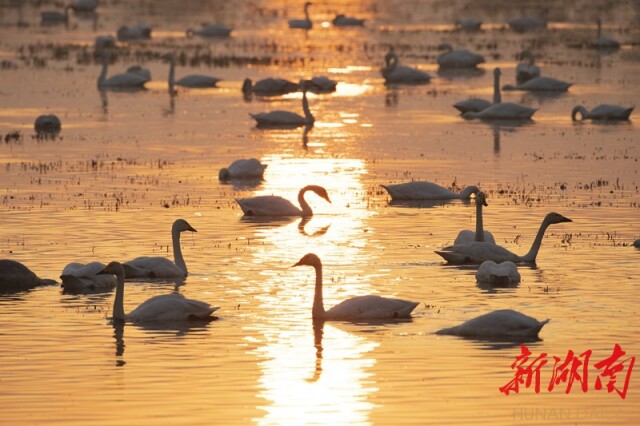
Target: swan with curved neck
477	105
501	324
271	205
393	72
14	276
601	112
303	24
478	252
172	307
356	308
119	81
458	58
527	68
480	234
160	267
427	191
280	118
194	81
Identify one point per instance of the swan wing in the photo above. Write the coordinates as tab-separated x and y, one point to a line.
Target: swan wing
498	273
268	205
472	105
543	84
214	30
169	308
608	111
525	72
246	168
506	110
304	24
274	85
504	323
419	191
279	118
197	81
467	236
125	80
407	75
459	59
476	253
151	267
371	307
14	275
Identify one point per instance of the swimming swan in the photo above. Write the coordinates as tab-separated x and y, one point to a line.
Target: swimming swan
14	276
504	273
347	21
160	267
194	81
477	105
504	323
322	84
527	68
478	252
480	234
271	205
269	86
77	277
303	24
393	72
84	6
458	58
540	84
137	32
526	24
468	24
355	308
281	118
243	169
211	30
426	191
172	307
119	81
601	112
603	42
48	123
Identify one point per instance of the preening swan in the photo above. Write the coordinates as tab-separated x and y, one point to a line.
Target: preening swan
476	252
271	205
14	276
119	81
172	307
527	24
540	84
210	30
322	84
194	81
137	32
480	234
303	24
78	277
458	58
347	21
426	191
527	68
84	6
243	169
603	42
393	72
601	112
47	123
356	308
280	118
269	86
504	273
160	267
477	105
501	324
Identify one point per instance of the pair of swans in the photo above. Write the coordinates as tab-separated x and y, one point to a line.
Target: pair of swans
194	81
14	276
427	191
342	20
128	80
250	168
601	112
47	123
393	72
500	324
358	308
271	205
303	24
210	30
280	118
458	58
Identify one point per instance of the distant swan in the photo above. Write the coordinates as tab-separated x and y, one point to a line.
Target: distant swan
271	205
47	123
636	243
14	276
269	86
139	71
476	253
322	84
469	24
118	81
347	21
480	234
172	307
355	308
78	277
280	118
603	42
458	58
54	17
84	5
540	84
160	267
504	323
477	105
393	72
194	81
243	169
601	112
526	24
504	273
104	42
210	30
137	32
525	71
304	24
426	191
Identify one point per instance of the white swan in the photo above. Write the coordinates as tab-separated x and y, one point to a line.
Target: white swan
393	72
468	24
14	276
54	17
243	169
194	81
269	86
47	123
478	252
426	191
303	24
355	308
78	277
504	273
271	205
504	323
347	21
601	112
460	58
477	105
480	234
172	307
526	24
137	32
210	30
603	42
502	110
118	81
280	118
160	267
527	68
540	84
322	84
84	6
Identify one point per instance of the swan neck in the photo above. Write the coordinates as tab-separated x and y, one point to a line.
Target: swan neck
479	224
103	72
306	209
535	247
305	107
579	109
497	97
172	69
318	303
118	304
177	251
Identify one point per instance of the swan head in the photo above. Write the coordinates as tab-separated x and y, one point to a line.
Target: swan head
306	5
224	174
309	259
247	85
322	193
446	47
497	72
471	189
481	198
554	217
526	54
579	109
113	268
182	225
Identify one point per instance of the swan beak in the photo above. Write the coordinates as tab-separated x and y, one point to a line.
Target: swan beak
297	264
566	219
192	229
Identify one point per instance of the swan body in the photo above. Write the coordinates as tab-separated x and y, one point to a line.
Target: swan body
504	323
14	276
480	234
636	243
501	110
527	68
458	58
139	71
122	81
426	191
137	32
477	105
194	81
469	24
269	86
280	118
243	169
603	42
271	205
160	267
303	24
84	6
601	112
322	84
504	273
105	42
54	17
210	30
527	24
540	84
347	21
47	123
172	307
80	277
393	72
477	252
356	308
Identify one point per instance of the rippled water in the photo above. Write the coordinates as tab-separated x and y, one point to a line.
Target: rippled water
128	164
